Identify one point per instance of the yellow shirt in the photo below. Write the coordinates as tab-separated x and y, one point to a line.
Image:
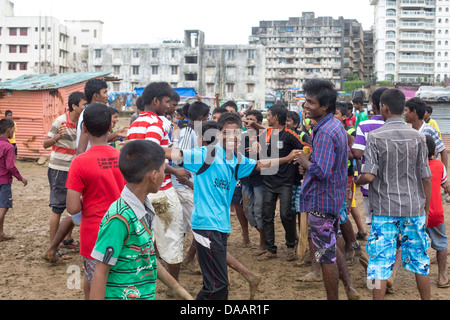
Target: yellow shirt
434	124
13	139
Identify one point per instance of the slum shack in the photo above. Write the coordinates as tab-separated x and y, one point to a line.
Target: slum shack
36	101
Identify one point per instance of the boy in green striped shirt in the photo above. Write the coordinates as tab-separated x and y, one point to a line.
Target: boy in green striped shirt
127	267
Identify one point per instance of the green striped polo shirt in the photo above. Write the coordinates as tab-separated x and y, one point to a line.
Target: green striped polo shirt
125	242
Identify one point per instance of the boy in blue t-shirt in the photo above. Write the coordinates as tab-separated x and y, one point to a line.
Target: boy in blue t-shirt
217	167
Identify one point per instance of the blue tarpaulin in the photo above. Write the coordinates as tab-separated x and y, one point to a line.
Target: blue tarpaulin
114	95
182	91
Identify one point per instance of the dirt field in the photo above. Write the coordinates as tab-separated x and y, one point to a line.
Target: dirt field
26	276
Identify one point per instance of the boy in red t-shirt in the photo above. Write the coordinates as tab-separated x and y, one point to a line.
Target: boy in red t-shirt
436	225
94	182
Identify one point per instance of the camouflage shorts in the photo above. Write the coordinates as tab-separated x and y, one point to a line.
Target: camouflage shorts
324	229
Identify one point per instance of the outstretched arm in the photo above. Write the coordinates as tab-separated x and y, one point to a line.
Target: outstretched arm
268	163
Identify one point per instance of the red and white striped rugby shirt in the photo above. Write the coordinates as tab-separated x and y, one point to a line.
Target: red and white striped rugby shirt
150	127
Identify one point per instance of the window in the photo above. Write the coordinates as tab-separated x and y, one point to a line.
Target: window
12	65
23	49
12	49
154	69
191	59
135	53
251	54
250	88
173	53
190	77
23	31
230	54
98	53
174	69
13	31
23	65
135	70
230	87
116	53
251	71
116	69
154	53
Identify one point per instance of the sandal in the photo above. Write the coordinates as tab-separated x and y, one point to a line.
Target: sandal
70	244
361	236
267	256
291	256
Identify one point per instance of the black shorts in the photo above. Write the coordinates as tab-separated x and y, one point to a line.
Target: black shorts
237	194
58	191
5	196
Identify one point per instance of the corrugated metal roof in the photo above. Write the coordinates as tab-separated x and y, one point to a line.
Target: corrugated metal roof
35	82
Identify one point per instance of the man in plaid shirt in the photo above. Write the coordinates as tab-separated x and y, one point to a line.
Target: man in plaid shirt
324	185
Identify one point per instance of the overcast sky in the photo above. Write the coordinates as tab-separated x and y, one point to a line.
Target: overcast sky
223	22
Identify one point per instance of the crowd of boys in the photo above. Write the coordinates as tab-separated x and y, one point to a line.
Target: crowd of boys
180	176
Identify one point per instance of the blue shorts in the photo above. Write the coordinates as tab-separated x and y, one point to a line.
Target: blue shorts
382	246
5	196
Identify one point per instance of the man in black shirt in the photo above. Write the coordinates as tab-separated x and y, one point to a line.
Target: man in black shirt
277	141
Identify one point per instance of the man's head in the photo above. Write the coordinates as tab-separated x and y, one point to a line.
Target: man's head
114	116
254	116
230	125
140	104
7	128
217	112
96	90
8	114
277	115
198	111
292	120
376	95
209	133
143	161
231	106
173	102
97	119
414	110
341	111
77	102
428	113
358	103
156	97
431	145
392	103
321	98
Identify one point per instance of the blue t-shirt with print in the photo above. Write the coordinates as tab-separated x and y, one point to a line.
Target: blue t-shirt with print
214	187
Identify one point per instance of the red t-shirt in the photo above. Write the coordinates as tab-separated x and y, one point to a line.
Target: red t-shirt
350	121
436	216
96	175
150	127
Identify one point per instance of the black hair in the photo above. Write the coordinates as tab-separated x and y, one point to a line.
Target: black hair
220	110
376	96
175	96
140	104
229	118
92	87
358	100
394	99
75	99
342	107
156	90
418	105
6	124
7	112
429	109
257	114
280	111
138	157
294	116
97	119
113	111
209	125
431	145
324	91
230	103
197	109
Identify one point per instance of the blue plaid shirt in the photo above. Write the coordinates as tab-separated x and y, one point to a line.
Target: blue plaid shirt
325	182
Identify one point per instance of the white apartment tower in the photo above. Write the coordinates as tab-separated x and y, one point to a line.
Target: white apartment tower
411	40
43	44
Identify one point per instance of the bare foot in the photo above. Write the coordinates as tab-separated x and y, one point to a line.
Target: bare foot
253	282
311	277
352	294
5	237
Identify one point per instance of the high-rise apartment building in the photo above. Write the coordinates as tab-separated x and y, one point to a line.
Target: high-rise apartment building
43	44
305	47
411	40
236	72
